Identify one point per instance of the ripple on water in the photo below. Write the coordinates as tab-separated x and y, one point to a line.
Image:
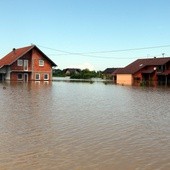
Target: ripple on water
84	126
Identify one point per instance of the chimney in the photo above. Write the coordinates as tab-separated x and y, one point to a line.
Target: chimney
13	50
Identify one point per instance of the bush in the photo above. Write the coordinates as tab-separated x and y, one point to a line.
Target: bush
85	74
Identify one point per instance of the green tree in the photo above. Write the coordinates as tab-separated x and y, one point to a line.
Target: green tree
86	74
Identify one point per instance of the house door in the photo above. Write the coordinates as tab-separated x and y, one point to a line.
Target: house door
0	77
25	65
25	77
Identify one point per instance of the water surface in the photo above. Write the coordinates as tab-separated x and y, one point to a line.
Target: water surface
84	126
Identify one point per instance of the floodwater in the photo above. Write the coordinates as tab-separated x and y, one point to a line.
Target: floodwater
84	126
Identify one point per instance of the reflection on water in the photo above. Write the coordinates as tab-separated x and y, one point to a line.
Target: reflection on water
85	126
91	81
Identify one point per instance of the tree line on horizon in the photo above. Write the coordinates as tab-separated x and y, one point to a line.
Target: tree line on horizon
77	73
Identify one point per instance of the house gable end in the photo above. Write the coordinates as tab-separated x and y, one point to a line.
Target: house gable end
45	56
16	54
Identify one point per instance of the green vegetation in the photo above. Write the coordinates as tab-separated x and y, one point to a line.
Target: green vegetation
86	74
58	73
83	74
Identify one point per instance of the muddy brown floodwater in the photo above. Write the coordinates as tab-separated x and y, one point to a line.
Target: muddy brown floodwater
84	126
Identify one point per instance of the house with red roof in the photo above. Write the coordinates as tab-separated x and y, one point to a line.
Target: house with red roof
147	71
108	73
26	64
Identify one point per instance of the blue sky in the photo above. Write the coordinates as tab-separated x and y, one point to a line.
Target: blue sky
83	26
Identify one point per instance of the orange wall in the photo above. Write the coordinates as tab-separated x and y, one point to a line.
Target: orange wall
124	79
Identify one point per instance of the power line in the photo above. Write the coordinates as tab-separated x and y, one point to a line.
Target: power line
79	54
92	56
111	51
103	52
130	49
67	52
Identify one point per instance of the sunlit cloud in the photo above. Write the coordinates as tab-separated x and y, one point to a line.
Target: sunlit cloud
84	66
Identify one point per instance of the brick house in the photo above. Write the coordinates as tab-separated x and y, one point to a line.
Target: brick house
26	64
147	71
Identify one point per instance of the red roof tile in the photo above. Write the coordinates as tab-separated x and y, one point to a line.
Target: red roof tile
14	55
141	63
17	53
148	71
117	71
109	70
166	72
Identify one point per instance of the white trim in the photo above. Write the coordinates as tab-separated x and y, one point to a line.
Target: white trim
25	65
20	78
41	62
26	74
19	62
47	77
36	76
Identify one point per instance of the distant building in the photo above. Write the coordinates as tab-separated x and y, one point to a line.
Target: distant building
145	71
26	64
70	71
108	73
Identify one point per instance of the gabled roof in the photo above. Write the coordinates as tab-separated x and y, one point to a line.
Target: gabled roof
72	69
117	71
109	70
15	54
141	63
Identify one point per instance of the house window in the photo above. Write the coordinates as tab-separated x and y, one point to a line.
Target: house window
41	62
19	62
160	68
20	76
37	76
46	76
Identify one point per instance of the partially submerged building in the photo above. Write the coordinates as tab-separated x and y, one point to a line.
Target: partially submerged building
145	71
108	73
71	71
26	64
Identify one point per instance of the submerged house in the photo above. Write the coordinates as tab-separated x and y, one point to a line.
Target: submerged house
108	73
70	71
147	71
26	64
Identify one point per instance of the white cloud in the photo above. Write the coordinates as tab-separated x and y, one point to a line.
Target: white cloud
86	66
83	66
